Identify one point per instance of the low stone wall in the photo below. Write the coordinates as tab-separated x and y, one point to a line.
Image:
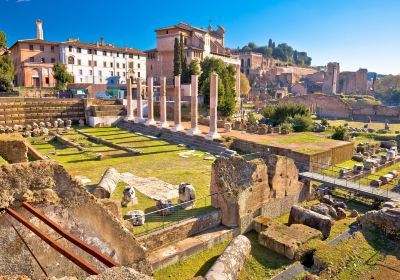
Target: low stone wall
180	231
21	110
304	162
66	142
13	148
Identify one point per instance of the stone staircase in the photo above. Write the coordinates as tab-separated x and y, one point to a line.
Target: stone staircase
197	141
190	246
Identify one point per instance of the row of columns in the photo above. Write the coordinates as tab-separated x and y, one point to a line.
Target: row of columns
194	130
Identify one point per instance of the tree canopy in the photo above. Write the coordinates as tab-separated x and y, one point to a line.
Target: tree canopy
62	76
283	52
387	89
244	84
6	67
297	116
226	84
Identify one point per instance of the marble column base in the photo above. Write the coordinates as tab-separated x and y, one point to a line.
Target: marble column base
177	127
213	135
129	118
139	120
150	122
163	125
194	131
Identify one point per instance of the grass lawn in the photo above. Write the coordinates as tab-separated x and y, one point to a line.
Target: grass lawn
160	159
367	180
2	161
374	125
334	170
299	137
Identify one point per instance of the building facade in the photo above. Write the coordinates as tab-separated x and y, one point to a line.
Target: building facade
33	61
199	43
94	63
100	63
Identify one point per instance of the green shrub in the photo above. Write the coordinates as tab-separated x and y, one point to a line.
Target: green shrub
287	126
251	119
339	133
324	122
301	123
284	112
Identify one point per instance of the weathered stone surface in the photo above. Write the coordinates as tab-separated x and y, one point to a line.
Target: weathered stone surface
300	215
13	148
340	204
107	184
135	217
387	220
187	195
286	240
120	273
341	213
165	205
327	199
231	261
325	209
353	213
129	197
262	223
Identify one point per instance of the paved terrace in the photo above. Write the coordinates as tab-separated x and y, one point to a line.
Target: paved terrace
351	186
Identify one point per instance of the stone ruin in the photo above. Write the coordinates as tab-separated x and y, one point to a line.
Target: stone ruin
245	189
48	187
13	148
187	196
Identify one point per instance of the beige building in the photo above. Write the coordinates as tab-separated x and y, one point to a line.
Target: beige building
199	43
34	59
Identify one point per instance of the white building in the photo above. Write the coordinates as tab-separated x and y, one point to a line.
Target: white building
101	63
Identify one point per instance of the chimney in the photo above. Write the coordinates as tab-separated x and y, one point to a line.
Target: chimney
39	29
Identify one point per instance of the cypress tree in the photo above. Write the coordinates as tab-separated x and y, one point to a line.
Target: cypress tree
177	58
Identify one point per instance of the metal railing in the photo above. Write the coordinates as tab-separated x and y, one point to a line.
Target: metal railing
174	214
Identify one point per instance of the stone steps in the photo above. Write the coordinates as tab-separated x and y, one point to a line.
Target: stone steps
190	246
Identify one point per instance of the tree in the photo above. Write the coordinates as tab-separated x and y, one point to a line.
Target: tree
6	67
177	58
244	85
286	112
3	40
226	84
185	72
62	76
270	43
194	67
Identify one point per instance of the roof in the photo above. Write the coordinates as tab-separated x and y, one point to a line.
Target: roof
105	47
151	50
183	25
36	41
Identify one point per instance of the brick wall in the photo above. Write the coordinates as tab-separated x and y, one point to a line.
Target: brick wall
29	110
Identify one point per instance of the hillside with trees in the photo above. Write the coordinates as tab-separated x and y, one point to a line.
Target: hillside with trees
387	89
282	52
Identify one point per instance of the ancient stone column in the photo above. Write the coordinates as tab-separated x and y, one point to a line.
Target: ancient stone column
194	130
177	105
163	103
150	102
213	133
129	109
139	117
237	84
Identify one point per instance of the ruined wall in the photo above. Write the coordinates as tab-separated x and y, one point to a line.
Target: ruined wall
244	188
48	186
327	106
13	148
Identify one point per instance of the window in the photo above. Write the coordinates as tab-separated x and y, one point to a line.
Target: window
138	74
71	60
131	65
111	64
248	62
100	73
138	57
90	72
89	51
185	41
90	63
166	31
95	63
104	64
31	47
123	55
123	65
52	48
138	65
118	74
31	59
41	48
42	60
130	55
117	65
101	80
79	62
117	54
80	72
95	52
111	73
81	80
47	80
111	53
70	48
53	60
105	53
78	50
124	74
151	67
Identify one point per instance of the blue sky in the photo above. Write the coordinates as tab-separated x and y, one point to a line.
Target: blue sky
356	33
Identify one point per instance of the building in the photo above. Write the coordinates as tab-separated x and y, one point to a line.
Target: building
199	43
254	65
101	63
94	63
354	82
331	81
34	59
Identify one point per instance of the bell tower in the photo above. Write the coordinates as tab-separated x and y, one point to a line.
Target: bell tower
39	29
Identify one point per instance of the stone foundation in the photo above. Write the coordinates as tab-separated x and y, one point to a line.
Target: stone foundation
13	148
